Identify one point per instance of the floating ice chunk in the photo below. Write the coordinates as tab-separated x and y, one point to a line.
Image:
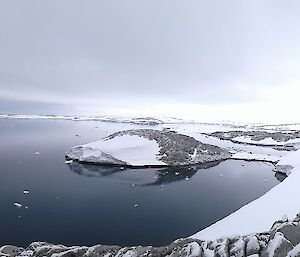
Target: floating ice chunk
18	205
26	192
187	178
37	153
177	173
255	157
136	205
68	161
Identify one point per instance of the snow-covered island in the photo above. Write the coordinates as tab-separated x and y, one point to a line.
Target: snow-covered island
147	147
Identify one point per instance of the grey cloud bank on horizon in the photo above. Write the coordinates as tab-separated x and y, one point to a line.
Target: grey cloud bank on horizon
203	59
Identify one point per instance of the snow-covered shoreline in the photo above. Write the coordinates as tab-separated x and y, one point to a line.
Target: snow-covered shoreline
259	215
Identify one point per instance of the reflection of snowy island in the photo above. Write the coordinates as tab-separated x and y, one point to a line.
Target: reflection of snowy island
147	147
134	177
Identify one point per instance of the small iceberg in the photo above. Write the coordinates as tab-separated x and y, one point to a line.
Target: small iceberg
18	205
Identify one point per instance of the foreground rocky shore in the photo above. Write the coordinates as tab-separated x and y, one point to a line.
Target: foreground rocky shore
283	239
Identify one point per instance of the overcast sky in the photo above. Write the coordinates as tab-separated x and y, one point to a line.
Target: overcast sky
194	59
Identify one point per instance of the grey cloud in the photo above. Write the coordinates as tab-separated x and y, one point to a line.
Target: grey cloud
198	51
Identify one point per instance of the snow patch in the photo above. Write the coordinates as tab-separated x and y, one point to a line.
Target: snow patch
127	149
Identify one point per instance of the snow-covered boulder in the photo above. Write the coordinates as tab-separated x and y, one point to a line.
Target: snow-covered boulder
10	250
147	147
279	246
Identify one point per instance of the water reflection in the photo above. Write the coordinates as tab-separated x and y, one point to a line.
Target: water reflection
146	176
91	170
140	176
173	174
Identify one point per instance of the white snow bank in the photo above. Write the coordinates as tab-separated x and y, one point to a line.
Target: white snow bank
260	214
292	159
129	149
255	156
248	140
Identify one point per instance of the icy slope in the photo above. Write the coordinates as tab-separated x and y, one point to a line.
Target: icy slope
260	214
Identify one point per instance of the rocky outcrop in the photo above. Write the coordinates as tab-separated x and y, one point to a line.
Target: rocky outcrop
282	240
173	149
281	139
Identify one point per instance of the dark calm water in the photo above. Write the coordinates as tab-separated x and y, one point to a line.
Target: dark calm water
84	204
